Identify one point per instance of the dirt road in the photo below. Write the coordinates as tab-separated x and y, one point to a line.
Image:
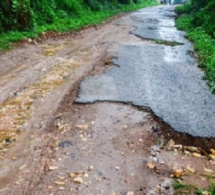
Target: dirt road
55	143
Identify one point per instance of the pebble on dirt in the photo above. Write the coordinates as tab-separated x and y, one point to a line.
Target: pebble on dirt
51	168
60	183
78	180
178	172
82	127
130	193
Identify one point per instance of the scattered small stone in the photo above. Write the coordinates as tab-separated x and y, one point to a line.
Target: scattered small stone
151	165
78	180
130	193
190	169
212	156
117	168
52	168
72	175
212	151
83	127
195	154
178	147
186	152
90	168
154	128
22	167
178	172
170	145
84	139
60	177
60	183
208	170
205	193
61	188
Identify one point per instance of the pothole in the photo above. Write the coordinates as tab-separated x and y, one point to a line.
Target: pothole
165	130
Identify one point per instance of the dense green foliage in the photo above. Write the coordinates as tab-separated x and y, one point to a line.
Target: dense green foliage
28	18
197	18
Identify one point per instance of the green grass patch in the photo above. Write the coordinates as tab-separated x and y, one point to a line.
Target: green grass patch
75	22
182	189
204	44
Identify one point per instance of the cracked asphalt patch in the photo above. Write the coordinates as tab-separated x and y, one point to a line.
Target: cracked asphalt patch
164	78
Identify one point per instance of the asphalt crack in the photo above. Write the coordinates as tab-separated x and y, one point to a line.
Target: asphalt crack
159	41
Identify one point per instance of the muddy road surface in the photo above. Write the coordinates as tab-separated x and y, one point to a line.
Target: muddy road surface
99	111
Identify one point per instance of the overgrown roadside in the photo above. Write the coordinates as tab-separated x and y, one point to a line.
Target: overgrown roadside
197	20
59	18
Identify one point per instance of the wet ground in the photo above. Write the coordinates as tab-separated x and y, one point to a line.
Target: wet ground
163	77
77	111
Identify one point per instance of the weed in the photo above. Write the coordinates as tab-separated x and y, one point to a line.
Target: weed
185	189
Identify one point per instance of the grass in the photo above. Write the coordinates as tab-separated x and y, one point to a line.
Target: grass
204	44
184	189
68	24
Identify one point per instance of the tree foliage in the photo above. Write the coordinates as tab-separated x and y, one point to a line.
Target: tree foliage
26	14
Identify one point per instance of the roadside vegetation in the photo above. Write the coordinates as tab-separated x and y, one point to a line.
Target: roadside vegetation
197	19
21	19
186	189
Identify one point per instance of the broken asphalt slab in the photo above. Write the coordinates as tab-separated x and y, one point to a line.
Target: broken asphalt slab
163	78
